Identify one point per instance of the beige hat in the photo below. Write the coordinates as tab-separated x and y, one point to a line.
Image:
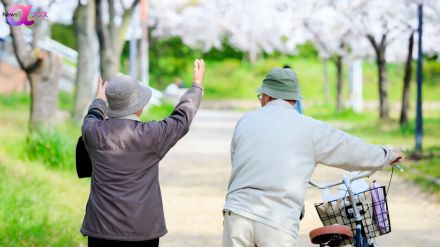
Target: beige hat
125	96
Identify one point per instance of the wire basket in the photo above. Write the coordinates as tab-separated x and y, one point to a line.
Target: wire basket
372	205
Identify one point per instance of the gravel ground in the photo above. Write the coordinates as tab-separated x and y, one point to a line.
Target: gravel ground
194	177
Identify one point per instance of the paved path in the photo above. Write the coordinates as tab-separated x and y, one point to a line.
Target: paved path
194	177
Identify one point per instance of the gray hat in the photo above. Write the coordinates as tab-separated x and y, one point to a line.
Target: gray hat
281	84
125	96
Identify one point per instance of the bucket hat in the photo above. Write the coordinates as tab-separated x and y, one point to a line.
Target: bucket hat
125	96
281	84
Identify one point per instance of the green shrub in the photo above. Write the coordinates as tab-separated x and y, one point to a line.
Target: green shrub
65	101
431	72
15	100
307	50
51	147
157	113
65	34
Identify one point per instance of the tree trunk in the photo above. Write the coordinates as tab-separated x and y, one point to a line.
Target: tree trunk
251	56
379	49
383	86
339	84
111	37
109	65
407	82
44	90
43	70
85	32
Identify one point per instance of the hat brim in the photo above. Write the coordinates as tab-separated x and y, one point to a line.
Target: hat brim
277	94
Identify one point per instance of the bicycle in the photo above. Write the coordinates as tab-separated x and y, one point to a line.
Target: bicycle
358	225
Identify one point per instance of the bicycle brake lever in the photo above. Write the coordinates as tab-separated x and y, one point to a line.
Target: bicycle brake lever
398	167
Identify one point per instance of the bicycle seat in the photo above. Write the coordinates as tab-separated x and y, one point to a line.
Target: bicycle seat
326	234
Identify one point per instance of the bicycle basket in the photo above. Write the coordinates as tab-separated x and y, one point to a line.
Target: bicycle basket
372	205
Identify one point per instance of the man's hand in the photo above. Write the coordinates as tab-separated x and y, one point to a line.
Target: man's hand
199	71
397	156
100	94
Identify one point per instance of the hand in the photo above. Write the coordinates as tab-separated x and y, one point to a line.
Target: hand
100	94
397	156
199	71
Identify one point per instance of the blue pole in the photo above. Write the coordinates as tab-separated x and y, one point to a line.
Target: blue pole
299	106
419	116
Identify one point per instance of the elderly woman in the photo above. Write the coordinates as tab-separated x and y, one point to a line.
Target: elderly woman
125	204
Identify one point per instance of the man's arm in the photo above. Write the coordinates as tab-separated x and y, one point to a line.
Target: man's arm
336	148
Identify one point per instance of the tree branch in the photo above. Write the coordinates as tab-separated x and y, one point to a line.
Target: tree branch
373	43
36	33
111	18
317	38
126	18
24	57
101	28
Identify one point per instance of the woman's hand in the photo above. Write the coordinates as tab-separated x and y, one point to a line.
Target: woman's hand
199	71
100	94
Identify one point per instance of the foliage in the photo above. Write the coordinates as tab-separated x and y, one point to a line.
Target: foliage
14	100
51	147
431	72
65	101
307	50
65	34
157	113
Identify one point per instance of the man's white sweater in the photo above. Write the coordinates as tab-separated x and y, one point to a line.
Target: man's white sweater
274	151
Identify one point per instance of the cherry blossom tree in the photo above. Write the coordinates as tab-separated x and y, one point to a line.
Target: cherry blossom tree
332	35
266	26
431	30
199	25
251	26
381	27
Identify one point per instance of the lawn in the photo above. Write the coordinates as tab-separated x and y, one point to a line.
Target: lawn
237	79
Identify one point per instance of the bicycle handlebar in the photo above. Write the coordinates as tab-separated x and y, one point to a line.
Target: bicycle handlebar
338	182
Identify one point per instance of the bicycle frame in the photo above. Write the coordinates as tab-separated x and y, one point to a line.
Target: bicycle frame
360	240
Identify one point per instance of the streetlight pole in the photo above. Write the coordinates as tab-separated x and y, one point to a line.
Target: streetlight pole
419	116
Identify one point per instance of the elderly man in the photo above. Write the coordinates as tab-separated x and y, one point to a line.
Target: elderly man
125	204
274	151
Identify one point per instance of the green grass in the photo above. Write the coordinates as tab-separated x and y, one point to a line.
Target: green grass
367	125
238	79
52	147
39	206
427	172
